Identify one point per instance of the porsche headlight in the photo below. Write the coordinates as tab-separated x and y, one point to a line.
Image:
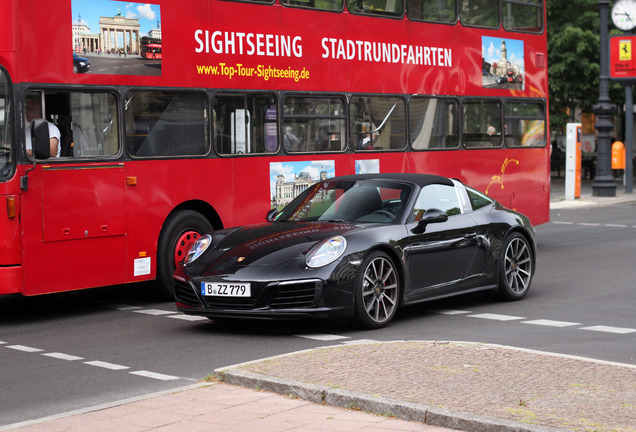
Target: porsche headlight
327	252
199	246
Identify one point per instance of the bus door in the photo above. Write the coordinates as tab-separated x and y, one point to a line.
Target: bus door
80	194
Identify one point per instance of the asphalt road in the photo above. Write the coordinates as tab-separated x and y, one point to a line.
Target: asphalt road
120	65
68	351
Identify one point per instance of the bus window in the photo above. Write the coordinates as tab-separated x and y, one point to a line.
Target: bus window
312	124
6	148
245	123
434	123
392	8
481	121
93	124
526	16
443	11
167	123
330	5
479	13
377	123
525	124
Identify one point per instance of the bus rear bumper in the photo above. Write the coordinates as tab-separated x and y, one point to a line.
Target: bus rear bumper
11	280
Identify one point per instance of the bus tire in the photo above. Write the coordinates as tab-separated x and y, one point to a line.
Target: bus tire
178	234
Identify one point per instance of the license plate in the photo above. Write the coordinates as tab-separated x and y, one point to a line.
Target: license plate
225	289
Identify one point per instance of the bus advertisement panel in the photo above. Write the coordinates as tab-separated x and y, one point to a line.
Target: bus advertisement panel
249	103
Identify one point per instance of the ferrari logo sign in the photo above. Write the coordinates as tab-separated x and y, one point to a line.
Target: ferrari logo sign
622	63
625	50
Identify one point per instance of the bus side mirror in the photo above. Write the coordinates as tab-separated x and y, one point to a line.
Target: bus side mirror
432	215
40	140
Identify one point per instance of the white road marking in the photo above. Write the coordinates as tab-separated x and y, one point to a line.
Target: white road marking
155	312
24	348
615	225
551	323
589	224
323	337
154	375
62	356
497	317
449	311
563	223
106	365
189	317
609	329
124	307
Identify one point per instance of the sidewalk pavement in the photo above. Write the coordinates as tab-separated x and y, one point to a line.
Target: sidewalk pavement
587	199
427	386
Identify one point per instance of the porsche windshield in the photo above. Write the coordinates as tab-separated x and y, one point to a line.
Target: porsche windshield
361	201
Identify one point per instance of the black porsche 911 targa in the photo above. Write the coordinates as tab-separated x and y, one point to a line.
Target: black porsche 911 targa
359	247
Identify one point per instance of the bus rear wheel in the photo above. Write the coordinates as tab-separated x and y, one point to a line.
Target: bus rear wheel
180	231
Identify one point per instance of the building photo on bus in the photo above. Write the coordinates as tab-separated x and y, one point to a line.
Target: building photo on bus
227	109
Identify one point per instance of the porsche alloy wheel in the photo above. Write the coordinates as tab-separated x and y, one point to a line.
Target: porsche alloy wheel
516	267
377	291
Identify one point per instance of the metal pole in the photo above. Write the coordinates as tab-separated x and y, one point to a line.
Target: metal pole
629	133
604	184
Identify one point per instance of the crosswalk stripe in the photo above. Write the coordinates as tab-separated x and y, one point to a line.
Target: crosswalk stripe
551	323
497	317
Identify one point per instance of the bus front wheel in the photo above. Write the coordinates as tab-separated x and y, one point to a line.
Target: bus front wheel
178	234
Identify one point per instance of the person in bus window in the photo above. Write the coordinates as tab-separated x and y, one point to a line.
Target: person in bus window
291	141
33	110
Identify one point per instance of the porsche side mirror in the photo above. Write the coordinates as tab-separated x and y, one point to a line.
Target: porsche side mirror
432	215
40	141
271	215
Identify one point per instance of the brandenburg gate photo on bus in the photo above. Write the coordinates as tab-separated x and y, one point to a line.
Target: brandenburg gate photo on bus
109	26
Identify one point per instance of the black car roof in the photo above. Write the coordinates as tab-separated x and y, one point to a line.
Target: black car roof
419	179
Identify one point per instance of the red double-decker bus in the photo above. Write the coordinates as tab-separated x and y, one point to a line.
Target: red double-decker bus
252	101
150	48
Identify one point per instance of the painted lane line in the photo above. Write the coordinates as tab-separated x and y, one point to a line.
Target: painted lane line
24	348
615	225
155	312
106	365
449	311
123	307
62	356
589	224
551	323
2	342
154	375
189	317
609	329
563	223
323	337
497	317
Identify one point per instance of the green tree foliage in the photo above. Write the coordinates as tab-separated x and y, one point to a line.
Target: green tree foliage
573	59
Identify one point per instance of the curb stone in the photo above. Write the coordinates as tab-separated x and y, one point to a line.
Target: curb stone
375	404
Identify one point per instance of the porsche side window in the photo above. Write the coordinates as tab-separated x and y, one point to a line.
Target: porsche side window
478	199
436	196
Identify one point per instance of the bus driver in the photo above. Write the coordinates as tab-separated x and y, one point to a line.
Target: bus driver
33	110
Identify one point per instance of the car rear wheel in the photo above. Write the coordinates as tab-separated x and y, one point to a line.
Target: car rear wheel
516	267
377	291
178	234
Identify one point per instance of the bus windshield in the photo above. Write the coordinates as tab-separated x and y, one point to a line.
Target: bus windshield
6	148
